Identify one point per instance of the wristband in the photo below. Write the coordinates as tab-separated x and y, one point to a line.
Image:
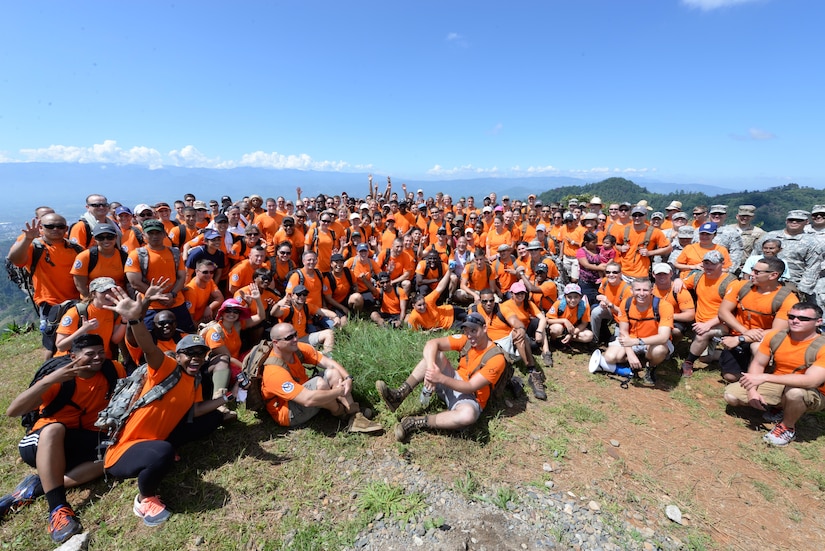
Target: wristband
132	322
348	377
228	397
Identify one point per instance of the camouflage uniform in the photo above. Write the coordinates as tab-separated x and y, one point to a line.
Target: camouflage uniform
750	234
728	238
819	235
802	254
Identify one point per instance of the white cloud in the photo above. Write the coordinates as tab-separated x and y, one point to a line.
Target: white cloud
708	5
495	130
464	170
754	134
189	157
457	39
106	152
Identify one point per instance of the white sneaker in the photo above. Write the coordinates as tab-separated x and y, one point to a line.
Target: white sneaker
595	361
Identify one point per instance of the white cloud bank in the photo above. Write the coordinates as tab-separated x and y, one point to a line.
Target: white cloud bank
187	157
470	171
754	135
708	5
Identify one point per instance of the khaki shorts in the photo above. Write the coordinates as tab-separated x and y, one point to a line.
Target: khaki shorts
772	394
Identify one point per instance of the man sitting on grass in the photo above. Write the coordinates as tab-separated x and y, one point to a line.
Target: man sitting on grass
465	390
292	398
62	444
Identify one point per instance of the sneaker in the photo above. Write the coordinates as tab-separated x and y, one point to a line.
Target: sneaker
391	397
595	361
773	415
63	524
547	359
359	423
409	425
687	368
24	494
151	510
780	435
536	385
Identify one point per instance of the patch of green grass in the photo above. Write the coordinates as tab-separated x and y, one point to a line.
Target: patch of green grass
502	497
767	492
634	419
583	414
467	486
392	501
697	541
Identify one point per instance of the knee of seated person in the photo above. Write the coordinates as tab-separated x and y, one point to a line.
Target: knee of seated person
356	300
465	415
733	400
53	431
794	394
585	336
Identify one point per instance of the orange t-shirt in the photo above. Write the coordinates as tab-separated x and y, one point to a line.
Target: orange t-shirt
369	268
708	298
314	282
106	325
754	310
570	314
161	265
279	386
643	324
198	299
156	420
475	278
633	263
435	316
790	355
106	267
491	370
52	280
694	253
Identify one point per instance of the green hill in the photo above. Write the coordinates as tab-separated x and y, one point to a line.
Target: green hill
771	205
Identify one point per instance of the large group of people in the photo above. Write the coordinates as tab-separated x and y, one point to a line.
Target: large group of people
189	288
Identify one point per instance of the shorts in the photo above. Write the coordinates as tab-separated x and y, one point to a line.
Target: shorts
771	392
313	338
389	317
452	398
506	344
80	446
641	350
298	414
735	361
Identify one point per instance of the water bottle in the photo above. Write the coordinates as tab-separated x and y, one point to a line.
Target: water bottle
624	371
42	325
426	394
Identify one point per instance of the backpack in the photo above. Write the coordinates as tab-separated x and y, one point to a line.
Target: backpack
253	366
472	268
776	303
67	388
301	277
88	231
94	256
645	240
497	390
56	313
143	260
332	285
580	309
810	352
655	307
723	286
125	400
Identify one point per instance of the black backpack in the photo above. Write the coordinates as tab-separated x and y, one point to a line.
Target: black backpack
67	388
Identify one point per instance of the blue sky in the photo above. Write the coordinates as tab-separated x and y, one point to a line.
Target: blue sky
703	91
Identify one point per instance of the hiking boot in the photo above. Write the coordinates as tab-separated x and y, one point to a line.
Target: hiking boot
63	524
409	425
392	398
647	378
22	495
151	510
687	369
773	415
780	435
359	423
534	380
547	359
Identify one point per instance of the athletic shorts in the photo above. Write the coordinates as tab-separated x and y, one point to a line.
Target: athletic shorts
80	446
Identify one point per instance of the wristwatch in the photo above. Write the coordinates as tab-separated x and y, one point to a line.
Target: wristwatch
741	339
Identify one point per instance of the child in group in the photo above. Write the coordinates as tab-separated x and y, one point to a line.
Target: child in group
607	252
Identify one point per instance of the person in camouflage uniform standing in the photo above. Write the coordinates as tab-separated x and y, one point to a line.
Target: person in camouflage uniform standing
749	233
802	252
817	229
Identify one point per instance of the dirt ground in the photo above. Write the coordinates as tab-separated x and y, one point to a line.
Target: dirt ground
678	444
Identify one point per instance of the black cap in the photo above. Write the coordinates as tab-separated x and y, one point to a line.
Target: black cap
473	320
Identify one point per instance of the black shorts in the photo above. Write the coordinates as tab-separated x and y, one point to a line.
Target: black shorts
80	446
735	361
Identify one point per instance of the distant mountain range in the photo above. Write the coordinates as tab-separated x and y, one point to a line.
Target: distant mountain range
64	186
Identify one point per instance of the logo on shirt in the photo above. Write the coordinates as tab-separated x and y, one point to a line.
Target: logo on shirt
288	387
67	321
78	264
129	261
216	336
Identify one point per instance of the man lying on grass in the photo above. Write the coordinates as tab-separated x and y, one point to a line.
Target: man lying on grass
465	391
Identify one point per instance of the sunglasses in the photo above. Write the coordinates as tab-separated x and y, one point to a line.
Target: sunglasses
302	295
98	205
290	337
253	234
232	311
207	272
638	215
55	226
325	221
757	272
608	272
106	237
283	252
800	318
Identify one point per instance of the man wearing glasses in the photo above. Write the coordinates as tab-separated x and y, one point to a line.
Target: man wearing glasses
802	252
97	212
48	256
292	398
796	385
103	259
749	310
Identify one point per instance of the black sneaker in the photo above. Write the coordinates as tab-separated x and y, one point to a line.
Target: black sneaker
534	380
516	386
25	493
